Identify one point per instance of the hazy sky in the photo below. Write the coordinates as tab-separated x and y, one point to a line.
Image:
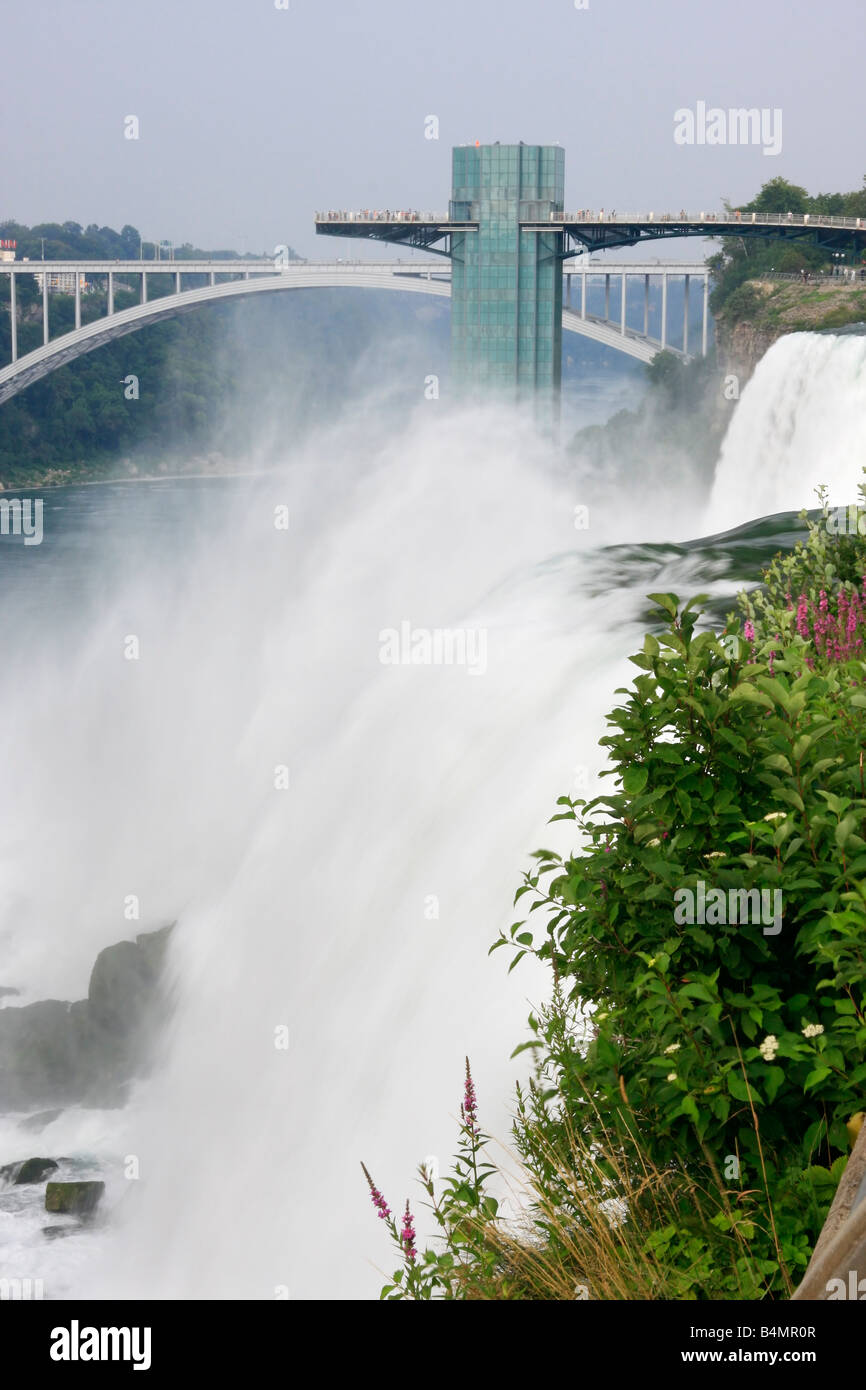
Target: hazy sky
251	117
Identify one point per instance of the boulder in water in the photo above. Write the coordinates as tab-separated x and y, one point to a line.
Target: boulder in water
29	1171
73	1198
54	1052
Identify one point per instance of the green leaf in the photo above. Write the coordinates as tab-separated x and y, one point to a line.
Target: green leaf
778	761
635	779
744	691
815	1077
739	1090
668	602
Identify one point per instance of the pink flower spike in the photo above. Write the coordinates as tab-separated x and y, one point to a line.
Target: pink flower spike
407	1235
469	1108
378	1200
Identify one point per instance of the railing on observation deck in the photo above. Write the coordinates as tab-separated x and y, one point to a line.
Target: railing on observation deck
433	218
843	275
766	219
763	219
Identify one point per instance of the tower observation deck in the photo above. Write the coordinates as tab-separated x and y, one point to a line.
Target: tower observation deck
507	233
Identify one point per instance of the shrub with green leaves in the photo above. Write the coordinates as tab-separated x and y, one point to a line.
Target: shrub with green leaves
704	1043
737	1048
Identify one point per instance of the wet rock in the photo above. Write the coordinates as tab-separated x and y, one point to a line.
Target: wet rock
154	945
38	1061
30	1170
73	1198
88	1051
120	987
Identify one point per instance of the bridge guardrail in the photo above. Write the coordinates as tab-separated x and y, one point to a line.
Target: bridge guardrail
824	277
387	215
771	219
767	219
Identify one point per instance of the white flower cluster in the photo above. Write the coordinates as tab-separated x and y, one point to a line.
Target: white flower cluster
769	1047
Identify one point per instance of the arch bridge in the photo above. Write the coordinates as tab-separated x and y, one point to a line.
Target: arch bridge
233	279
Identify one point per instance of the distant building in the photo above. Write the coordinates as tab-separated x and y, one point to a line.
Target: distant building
60	281
7	250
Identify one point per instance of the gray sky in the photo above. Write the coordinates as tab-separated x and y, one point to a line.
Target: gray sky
252	117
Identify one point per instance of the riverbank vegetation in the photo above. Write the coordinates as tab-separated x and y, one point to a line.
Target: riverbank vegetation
219	390
77	424
743	259
699	1063
689	404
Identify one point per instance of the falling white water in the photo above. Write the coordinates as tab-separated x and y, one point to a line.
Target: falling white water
799	424
356	908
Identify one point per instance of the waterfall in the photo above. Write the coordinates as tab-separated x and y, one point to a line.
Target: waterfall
799	424
338	837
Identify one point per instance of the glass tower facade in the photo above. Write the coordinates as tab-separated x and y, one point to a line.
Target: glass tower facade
506	291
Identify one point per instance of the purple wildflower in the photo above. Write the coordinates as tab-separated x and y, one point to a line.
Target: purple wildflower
378	1200
407	1235
469	1108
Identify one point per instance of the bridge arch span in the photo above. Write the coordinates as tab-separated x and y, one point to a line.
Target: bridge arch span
59	351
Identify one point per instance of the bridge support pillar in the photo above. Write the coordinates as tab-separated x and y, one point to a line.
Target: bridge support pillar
45	307
78	299
607	299
686	316
177	281
622	306
144	287
583	294
110	293
213	277
705	322
13	317
664	338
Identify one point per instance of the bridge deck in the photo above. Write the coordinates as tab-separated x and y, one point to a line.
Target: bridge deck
576	265
599	229
243	278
